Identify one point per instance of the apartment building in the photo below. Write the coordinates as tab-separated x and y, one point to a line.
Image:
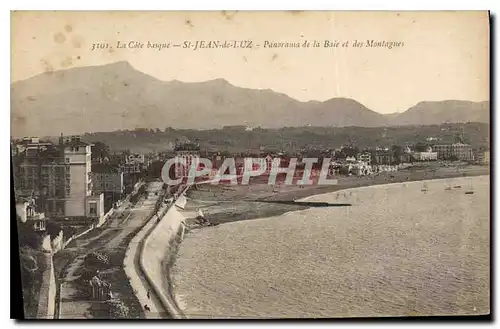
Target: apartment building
108	180
365	157
134	164
384	157
185	155
456	151
58	176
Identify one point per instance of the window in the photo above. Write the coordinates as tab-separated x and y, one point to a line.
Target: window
93	208
42	225
60	208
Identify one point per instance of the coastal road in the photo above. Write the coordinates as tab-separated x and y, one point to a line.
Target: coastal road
143	264
142	289
110	240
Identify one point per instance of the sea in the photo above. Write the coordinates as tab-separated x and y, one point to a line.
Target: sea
405	249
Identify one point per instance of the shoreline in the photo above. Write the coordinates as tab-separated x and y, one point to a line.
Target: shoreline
389	184
229	203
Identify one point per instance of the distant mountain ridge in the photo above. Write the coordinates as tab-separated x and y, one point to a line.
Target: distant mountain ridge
449	111
117	96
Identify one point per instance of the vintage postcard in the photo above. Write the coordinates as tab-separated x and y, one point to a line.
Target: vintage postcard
251	165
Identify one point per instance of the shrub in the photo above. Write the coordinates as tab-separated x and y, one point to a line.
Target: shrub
117	309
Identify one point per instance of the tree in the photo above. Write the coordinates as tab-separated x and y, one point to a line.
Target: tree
155	169
373	154
117	309
100	151
420	147
350	151
397	152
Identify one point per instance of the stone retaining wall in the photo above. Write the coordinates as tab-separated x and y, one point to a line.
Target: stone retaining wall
155	245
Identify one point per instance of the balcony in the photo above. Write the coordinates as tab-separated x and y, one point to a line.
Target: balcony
36	216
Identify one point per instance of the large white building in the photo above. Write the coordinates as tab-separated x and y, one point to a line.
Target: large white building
458	151
58	176
78	180
428	155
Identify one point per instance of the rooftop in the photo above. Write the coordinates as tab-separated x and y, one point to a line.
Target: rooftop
74	141
188	146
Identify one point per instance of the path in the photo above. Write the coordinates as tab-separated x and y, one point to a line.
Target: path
112	237
136	277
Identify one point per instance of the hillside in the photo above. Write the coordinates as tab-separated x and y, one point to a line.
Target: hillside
291	139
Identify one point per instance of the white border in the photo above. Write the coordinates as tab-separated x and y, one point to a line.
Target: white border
187	5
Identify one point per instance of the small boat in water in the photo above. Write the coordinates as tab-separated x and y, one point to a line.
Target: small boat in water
448	186
470	189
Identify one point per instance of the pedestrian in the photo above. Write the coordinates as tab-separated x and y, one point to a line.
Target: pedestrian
149	294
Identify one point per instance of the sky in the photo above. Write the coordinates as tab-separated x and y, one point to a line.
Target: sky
444	55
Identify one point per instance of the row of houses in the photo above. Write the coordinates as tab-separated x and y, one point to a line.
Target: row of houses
187	153
446	152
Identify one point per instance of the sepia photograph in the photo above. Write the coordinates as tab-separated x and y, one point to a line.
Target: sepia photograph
251	164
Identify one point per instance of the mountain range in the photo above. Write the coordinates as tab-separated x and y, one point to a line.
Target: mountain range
117	96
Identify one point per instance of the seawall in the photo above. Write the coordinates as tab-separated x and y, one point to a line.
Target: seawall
46	301
160	241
